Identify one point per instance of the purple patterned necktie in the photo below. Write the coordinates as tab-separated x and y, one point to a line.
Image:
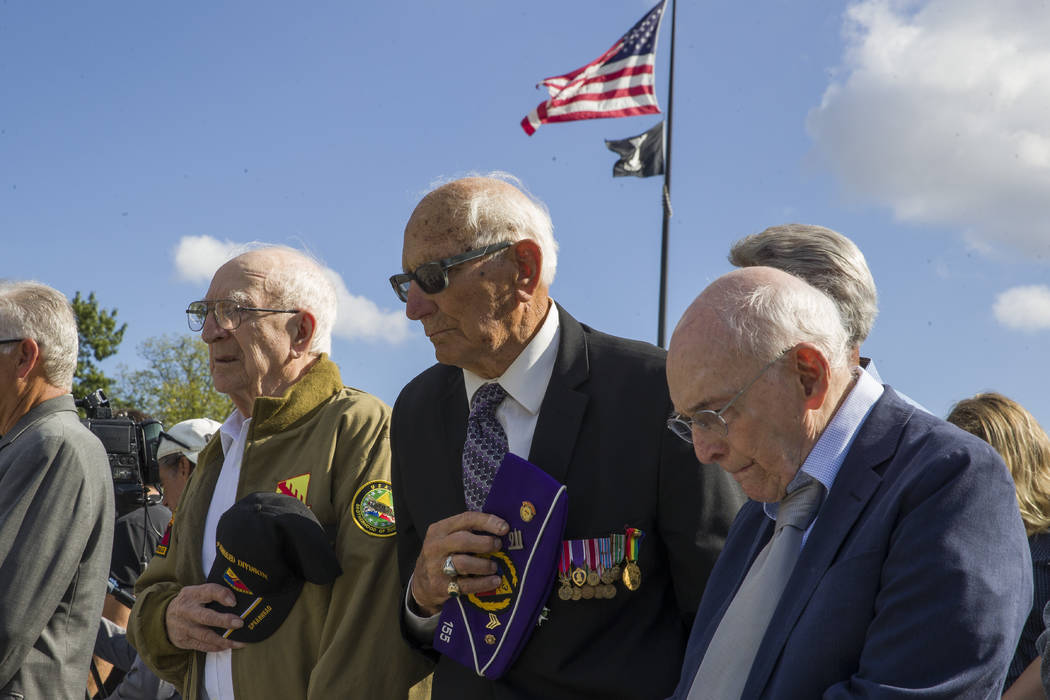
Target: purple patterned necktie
485	446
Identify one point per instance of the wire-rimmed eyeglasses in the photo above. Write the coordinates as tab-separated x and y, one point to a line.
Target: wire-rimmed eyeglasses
432	277
228	313
710	420
11	340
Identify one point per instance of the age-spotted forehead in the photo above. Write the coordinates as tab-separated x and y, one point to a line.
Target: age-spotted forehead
435	230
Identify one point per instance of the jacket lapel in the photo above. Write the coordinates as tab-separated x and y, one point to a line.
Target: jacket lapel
454	432
564	405
856	483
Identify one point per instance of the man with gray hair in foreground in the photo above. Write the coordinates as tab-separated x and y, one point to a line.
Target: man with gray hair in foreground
882	554
56	502
296	430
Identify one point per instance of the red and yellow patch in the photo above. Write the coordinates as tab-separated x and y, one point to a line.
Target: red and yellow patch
296	487
234	582
162	546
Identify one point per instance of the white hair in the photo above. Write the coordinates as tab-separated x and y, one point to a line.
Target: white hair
300	282
33	310
766	319
823	258
495	215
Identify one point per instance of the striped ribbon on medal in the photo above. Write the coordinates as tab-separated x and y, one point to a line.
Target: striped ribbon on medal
605	553
634	543
563	564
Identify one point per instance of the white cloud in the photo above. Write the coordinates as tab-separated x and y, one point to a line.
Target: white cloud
1024	308
198	257
939	110
360	317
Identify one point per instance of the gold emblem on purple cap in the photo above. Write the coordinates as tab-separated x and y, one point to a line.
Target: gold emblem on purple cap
500	597
527	511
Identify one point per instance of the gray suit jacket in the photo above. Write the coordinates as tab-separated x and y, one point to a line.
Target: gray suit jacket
56	532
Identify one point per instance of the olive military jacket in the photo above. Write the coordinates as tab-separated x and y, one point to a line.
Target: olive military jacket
328	445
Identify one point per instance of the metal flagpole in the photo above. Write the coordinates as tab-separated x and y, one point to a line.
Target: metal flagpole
667	188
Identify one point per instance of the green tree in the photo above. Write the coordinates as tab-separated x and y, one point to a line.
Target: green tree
176	382
99	338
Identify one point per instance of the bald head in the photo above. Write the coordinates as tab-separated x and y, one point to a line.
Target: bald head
478	211
763	355
760	311
291	279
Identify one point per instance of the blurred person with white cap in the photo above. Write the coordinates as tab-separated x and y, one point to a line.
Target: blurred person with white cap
177	455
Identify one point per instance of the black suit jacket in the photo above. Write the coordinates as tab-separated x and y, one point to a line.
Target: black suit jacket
601	431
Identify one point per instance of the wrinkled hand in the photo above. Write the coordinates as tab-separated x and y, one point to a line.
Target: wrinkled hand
189	623
458	536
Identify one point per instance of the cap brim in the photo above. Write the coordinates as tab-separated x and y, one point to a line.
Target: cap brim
262	615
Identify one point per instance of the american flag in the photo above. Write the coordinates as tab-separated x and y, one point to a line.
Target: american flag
619	83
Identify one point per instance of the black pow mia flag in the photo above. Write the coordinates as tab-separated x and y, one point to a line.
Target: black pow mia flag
641	155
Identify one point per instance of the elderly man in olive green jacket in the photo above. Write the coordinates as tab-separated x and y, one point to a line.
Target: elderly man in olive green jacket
296	430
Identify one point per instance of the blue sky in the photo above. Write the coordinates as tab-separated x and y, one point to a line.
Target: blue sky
139	140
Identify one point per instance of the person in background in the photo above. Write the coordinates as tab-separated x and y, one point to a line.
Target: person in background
177	451
830	262
177	455
1025	447
56	502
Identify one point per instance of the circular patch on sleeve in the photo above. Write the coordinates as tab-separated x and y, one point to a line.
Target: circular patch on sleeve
373	509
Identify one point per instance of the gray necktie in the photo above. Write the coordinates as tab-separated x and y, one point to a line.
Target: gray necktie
727	663
485	446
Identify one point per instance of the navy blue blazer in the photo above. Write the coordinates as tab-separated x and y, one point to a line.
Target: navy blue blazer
915	580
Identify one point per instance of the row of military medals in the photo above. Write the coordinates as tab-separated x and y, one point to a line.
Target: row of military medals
589	568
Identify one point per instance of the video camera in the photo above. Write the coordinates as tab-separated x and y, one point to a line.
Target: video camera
130	446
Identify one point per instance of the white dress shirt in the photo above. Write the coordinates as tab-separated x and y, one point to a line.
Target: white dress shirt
218	666
525	382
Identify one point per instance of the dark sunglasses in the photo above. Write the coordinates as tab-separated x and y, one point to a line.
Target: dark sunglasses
432	277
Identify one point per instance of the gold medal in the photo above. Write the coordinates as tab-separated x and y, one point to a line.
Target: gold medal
587	592
592	578
609	575
577	593
579	576
632	576
565	591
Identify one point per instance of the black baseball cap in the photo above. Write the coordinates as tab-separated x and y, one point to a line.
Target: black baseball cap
267	545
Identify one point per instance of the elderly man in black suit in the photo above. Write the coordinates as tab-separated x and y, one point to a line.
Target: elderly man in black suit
589	409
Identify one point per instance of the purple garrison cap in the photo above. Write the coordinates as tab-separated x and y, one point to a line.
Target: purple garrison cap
486	631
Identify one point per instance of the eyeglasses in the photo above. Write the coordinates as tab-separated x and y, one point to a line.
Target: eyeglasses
683	426
432	277
228	313
11	340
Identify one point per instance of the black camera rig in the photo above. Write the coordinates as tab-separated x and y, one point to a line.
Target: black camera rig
131	447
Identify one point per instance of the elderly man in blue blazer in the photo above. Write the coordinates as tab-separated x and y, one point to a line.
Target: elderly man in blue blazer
881	555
